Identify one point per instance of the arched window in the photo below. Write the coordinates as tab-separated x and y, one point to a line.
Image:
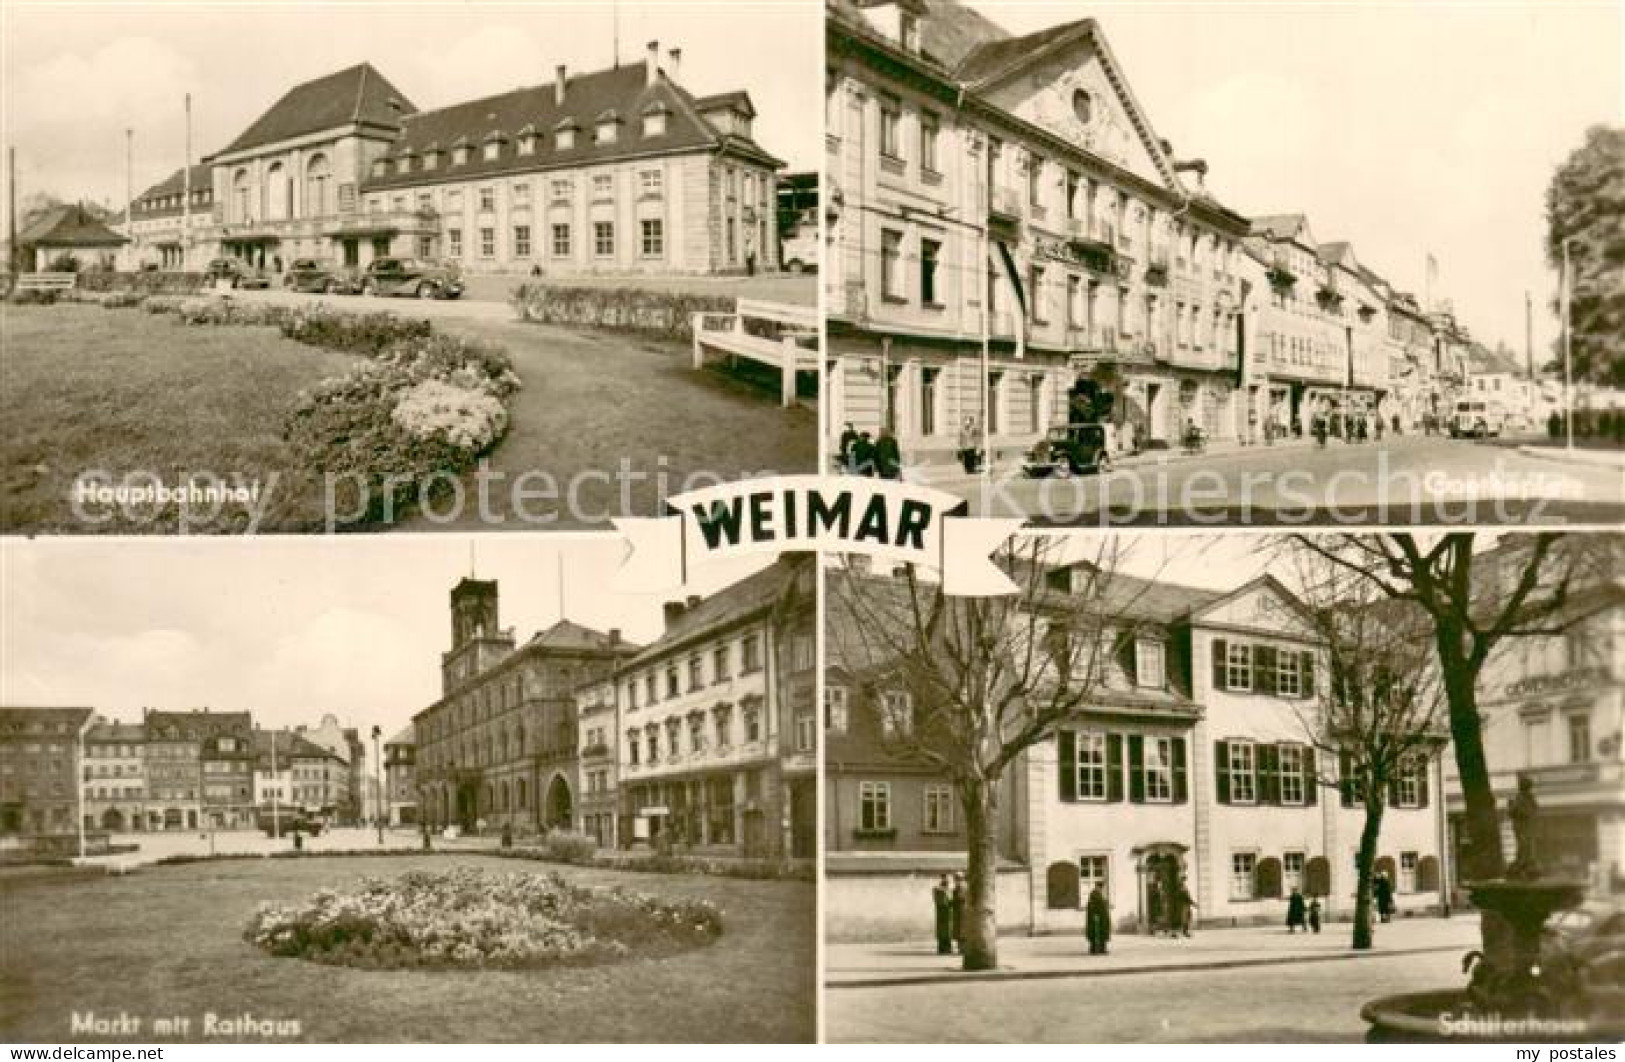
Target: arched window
278	193
1083	106
318	187
241	196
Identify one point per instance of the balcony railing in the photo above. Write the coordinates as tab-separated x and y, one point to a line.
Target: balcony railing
1006	203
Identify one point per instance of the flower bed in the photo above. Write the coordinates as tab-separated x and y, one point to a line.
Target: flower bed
662	314
467	918
146	282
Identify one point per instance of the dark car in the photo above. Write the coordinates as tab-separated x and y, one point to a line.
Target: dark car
239	273
412	276
1069	451
288	822
321	274
1586	932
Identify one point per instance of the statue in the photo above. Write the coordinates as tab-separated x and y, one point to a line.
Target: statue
1521	810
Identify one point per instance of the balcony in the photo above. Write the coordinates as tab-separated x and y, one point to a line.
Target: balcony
1005	203
384	223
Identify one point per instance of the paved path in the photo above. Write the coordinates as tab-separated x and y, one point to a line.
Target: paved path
1410	480
855	965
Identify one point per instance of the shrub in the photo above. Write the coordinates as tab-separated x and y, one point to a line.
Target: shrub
464	917
367	334
147	282
64	263
35	297
661	314
567	846
467	419
122	300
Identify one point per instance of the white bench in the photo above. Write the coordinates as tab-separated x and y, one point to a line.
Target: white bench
47	281
796	349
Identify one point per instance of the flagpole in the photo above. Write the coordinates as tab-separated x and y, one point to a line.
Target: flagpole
186	192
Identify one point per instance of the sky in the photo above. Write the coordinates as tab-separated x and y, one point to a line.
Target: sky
76	76
1431	126
288	628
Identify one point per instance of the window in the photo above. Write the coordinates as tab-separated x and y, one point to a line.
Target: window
1239	667
1291	871
1159	770
1083	107
654	124
561	240
930	251
603	186
1408	862
1093	870
1242	867
1091	766
651	687
671	681
928	400
603	239
891	123
896	714
723	718
938	813
454	243
1288	674
650	182
696	677
561	189
753	724
521	194
930	130
488	200
492	149
1148	664
806	731
835	709
1035	408
696	732
1292	768
751	650
891	265
719	664
874	807
1242	779
1408	787
1579	737
654	237
608	131
1035	294
521	241
488	242
1035	181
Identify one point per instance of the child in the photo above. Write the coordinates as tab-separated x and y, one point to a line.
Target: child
1314	915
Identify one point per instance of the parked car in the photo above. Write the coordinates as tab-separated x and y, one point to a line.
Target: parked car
288	823
412	276
1071	450
239	273
1587	932
321	274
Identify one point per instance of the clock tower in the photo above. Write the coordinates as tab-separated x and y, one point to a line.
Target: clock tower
477	642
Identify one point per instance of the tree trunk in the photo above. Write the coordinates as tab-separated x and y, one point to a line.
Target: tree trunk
1365	862
1482	859
980	946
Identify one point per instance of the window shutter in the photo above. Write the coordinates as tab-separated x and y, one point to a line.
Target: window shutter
1264	669
1067	765
1307	666
1267	774
1311	775
1393	791
1345	777
1422	784
1181	783
1136	769
1221	650
1114	768
1221	770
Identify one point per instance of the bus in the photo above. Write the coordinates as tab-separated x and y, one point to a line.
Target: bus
1476	419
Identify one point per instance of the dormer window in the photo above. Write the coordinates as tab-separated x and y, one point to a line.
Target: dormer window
1149	664
380	167
431	159
654	121
459	155
908	32
608	129
564	137
404	164
527	141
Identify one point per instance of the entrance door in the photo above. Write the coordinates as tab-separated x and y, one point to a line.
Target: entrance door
352	252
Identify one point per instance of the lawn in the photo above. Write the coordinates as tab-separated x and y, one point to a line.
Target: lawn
127	392
609	424
167	941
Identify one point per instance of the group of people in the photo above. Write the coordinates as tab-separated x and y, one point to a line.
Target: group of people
1171	907
949	900
862	455
1302	914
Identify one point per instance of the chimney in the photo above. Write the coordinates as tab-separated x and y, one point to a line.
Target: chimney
651	67
674	64
614	636
693	599
674	611
558	85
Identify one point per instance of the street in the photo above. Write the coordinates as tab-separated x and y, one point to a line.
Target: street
1408	480
1309	990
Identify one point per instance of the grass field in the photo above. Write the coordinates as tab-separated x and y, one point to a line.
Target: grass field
123	391
166	941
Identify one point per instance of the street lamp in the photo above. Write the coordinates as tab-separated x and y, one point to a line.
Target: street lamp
378	785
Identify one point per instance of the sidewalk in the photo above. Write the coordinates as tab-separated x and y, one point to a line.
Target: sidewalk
869	965
1603	458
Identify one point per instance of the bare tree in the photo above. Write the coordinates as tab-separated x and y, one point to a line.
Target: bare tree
1380	716
966	685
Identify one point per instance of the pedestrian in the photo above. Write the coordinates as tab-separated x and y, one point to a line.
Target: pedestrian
969	452
1383	890
1296	912
888	458
849	439
1097	921
1154	907
863	455
1320	430
961	908
942	906
1183	907
1314	915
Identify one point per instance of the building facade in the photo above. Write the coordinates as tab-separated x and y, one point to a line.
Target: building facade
115	777
714	755
400	778
1191	762
226	762
1014	195
500	745
618	171
40	770
599	714
174	770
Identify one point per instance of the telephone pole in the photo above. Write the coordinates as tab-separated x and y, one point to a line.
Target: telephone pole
14	260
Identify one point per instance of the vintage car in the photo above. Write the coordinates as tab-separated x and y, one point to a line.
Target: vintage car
1071	450
322	274
235	271
412	276
287	822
